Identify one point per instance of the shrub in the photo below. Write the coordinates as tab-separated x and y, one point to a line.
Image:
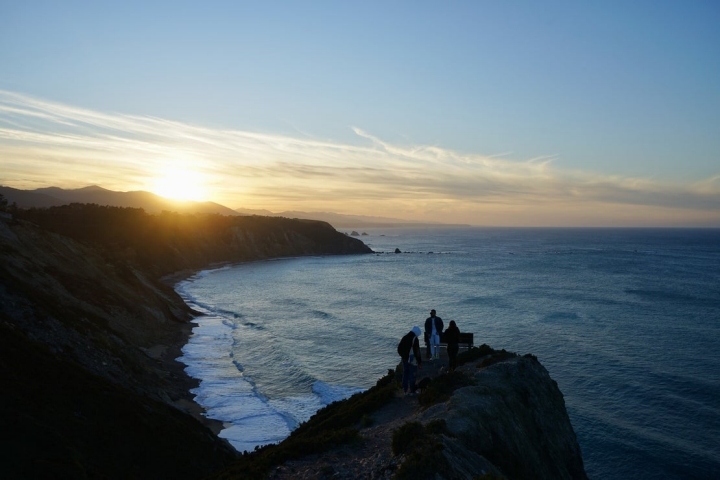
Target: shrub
475	353
348	412
496	357
366	421
406	436
423	449
437	427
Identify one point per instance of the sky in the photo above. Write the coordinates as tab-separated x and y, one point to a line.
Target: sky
513	113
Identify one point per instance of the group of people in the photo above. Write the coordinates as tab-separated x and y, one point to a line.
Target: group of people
409	348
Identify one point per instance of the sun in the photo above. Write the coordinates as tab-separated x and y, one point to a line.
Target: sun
180	185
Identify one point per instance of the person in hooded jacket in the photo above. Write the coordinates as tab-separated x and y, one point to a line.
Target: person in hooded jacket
409	351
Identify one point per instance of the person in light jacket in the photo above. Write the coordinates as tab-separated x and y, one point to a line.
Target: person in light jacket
433	329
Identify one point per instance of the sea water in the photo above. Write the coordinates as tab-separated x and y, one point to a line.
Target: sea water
626	321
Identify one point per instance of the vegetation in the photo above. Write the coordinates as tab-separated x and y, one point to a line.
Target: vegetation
4	207
441	387
474	354
496	357
485	354
422	446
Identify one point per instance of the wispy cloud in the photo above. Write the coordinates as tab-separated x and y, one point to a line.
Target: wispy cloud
45	143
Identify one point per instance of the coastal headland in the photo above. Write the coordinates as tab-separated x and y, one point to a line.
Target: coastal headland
90	329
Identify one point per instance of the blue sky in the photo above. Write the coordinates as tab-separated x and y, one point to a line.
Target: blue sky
489	113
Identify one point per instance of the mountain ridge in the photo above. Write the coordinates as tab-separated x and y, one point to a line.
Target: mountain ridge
148	201
152	203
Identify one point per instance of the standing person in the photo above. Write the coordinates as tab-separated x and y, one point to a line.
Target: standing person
433	329
409	350
452	338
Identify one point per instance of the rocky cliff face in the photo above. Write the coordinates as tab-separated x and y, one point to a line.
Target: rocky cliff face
513	418
170	242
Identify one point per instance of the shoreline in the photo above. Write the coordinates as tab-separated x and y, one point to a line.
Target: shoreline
179	381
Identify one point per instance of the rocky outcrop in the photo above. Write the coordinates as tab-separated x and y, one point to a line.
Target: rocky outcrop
498	416
513	417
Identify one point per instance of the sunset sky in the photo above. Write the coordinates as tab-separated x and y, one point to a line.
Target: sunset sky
514	113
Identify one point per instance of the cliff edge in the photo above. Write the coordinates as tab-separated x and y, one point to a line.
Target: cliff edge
498	416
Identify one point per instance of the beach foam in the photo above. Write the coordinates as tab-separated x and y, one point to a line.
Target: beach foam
228	395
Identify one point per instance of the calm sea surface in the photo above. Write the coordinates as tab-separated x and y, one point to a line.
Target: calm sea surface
626	321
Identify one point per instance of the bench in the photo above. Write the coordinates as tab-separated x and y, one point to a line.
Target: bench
466	339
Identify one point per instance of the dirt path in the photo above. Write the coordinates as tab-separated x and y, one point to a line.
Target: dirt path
372	457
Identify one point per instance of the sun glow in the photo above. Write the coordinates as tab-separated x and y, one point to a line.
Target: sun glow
180	185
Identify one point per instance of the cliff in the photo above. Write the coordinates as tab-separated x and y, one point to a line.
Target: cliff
498	416
170	242
89	336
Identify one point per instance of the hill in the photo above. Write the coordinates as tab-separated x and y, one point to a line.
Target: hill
151	203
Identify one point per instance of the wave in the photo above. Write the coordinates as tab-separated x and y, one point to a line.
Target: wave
225	392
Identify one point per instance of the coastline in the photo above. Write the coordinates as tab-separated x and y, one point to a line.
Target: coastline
180	382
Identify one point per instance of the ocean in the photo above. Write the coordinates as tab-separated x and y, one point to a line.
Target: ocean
627	321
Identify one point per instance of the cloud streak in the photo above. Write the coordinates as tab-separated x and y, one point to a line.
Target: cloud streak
44	143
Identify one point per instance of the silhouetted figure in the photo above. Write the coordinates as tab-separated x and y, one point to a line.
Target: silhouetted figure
433	329
452	338
409	351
